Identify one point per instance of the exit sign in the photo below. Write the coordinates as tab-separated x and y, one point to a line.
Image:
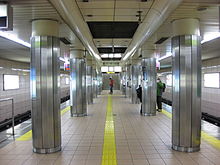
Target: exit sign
6	17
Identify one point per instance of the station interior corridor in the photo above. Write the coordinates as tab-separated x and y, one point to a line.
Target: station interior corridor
136	140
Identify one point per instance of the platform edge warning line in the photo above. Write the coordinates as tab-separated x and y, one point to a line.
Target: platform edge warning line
205	136
109	146
28	135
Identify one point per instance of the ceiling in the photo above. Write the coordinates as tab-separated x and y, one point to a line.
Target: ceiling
114	14
117	11
24	11
209	22
11	50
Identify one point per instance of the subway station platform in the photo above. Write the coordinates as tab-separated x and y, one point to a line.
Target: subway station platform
113	133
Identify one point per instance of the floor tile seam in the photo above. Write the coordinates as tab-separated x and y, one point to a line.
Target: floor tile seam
125	135
151	126
162	130
203	137
142	147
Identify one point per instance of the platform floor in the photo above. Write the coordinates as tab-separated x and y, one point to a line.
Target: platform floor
139	140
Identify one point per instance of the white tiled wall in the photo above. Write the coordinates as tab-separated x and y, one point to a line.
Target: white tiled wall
22	102
65	88
22	95
210	96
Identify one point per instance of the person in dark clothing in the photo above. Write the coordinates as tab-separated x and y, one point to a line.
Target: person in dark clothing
111	83
139	95
160	89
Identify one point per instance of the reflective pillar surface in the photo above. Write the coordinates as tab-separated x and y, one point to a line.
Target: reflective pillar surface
78	87
45	94
134	83
128	81
89	78
95	89
186	118
149	87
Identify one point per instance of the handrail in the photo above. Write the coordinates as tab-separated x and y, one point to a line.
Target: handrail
13	118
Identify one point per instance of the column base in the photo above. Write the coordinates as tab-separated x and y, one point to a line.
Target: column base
78	115
46	150
185	149
148	114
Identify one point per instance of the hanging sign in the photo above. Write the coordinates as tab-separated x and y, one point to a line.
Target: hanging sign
6	17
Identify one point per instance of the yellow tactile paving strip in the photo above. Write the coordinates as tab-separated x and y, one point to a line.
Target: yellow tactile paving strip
28	136
109	146
210	139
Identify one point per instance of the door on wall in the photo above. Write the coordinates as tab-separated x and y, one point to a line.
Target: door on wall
105	81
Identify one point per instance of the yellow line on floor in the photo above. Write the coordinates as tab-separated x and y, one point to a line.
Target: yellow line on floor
28	135
205	136
109	147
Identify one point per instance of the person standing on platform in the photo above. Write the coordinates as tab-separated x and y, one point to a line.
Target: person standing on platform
160	90
139	95
111	83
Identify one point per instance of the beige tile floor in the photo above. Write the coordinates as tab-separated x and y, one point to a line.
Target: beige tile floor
139	140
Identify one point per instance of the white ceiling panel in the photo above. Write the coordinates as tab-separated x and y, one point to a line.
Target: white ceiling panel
96	4
108	42
209	22
13	51
97	12
111	10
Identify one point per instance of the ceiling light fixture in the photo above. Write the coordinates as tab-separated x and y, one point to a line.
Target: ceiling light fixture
14	38
168	54
210	36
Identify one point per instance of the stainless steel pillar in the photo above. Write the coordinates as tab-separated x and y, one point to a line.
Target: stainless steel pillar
123	82
128	81
89	84
99	82
45	87
186	59
149	87
78	83
134	83
95	90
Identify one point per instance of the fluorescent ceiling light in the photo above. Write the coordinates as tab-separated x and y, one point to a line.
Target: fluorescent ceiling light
169	54
111	55
117	68
210	36
104	55
14	38
104	69
117	55
111	69
65	60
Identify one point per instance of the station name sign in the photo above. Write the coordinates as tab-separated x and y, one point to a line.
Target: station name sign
6	17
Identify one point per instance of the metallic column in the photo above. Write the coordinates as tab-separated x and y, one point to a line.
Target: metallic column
134	83
89	82
123	82
95	90
45	86
78	83
186	59
149	87
128	81
99	82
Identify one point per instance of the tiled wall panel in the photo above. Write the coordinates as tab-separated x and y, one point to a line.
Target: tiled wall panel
210	96
22	102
